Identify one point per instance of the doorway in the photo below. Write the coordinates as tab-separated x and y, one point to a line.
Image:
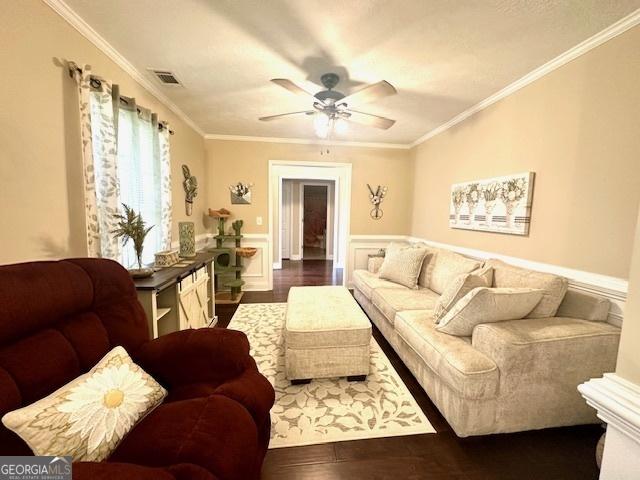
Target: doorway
326	234
316	222
308	219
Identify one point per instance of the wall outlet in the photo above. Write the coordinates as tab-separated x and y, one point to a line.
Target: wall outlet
258	220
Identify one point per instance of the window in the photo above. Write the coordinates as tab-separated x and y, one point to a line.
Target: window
140	176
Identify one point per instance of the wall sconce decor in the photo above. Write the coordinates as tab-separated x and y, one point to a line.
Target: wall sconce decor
190	185
376	199
241	193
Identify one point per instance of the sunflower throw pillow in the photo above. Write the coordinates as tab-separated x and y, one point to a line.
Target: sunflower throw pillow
89	416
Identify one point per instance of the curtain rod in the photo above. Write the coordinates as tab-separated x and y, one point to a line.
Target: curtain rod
74	68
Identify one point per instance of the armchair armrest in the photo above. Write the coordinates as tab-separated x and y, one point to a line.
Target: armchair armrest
189	356
130	471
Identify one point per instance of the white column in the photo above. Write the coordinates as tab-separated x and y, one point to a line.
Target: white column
618	404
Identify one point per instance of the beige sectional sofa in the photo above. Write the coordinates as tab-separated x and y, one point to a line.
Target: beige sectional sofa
508	376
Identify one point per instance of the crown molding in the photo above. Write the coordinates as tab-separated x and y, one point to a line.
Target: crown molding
621	26
73	19
598	39
304	141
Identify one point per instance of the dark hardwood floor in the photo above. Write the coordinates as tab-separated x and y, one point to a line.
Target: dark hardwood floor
552	454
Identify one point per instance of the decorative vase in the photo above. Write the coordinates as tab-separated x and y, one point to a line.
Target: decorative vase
472	209
511	218
187	239
456	219
488	210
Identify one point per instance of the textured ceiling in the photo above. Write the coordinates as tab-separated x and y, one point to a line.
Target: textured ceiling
442	56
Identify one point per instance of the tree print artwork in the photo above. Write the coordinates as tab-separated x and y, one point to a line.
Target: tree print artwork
501	204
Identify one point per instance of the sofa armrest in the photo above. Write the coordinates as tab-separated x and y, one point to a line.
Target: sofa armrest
374	263
552	347
190	356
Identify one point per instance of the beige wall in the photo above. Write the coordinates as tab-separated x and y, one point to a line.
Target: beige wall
42	213
233	161
628	365
577	128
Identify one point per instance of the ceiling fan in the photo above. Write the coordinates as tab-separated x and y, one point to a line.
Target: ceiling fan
332	109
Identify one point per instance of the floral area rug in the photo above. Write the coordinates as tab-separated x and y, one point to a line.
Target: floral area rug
327	410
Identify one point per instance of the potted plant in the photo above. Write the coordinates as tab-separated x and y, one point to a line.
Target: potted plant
131	226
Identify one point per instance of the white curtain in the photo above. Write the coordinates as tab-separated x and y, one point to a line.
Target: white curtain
145	175
126	160
99	153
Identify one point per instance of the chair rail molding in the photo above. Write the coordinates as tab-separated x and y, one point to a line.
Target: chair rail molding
201	241
612	288
360	246
257	274
617	402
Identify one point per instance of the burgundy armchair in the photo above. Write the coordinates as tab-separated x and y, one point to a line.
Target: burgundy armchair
57	319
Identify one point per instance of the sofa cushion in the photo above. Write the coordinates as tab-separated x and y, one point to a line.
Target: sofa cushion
391	300
457	289
447	266
581	305
367	282
402	265
453	359
488	305
553	286
427	266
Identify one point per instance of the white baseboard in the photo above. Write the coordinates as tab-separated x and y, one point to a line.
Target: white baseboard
296	258
617	402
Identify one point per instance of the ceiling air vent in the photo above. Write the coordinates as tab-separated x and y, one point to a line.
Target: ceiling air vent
166	77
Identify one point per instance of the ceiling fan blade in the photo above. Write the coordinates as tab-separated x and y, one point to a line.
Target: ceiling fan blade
293	88
370	119
370	93
274	117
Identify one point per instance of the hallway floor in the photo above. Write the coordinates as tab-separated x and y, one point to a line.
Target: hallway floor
552	454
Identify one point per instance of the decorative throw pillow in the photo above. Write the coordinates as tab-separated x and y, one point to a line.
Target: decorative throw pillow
459	287
447	266
488	305
88	417
486	273
402	265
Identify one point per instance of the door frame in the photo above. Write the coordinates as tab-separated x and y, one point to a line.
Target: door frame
304	170
286	204
331	227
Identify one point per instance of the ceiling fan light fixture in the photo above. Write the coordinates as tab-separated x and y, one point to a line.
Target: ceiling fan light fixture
321	125
341	126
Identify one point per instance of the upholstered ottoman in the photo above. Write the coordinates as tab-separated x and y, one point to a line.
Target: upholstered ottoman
326	335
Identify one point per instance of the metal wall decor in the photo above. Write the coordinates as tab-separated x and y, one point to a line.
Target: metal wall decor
241	193
376	199
190	185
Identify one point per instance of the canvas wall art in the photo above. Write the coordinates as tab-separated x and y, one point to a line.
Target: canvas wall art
500	204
